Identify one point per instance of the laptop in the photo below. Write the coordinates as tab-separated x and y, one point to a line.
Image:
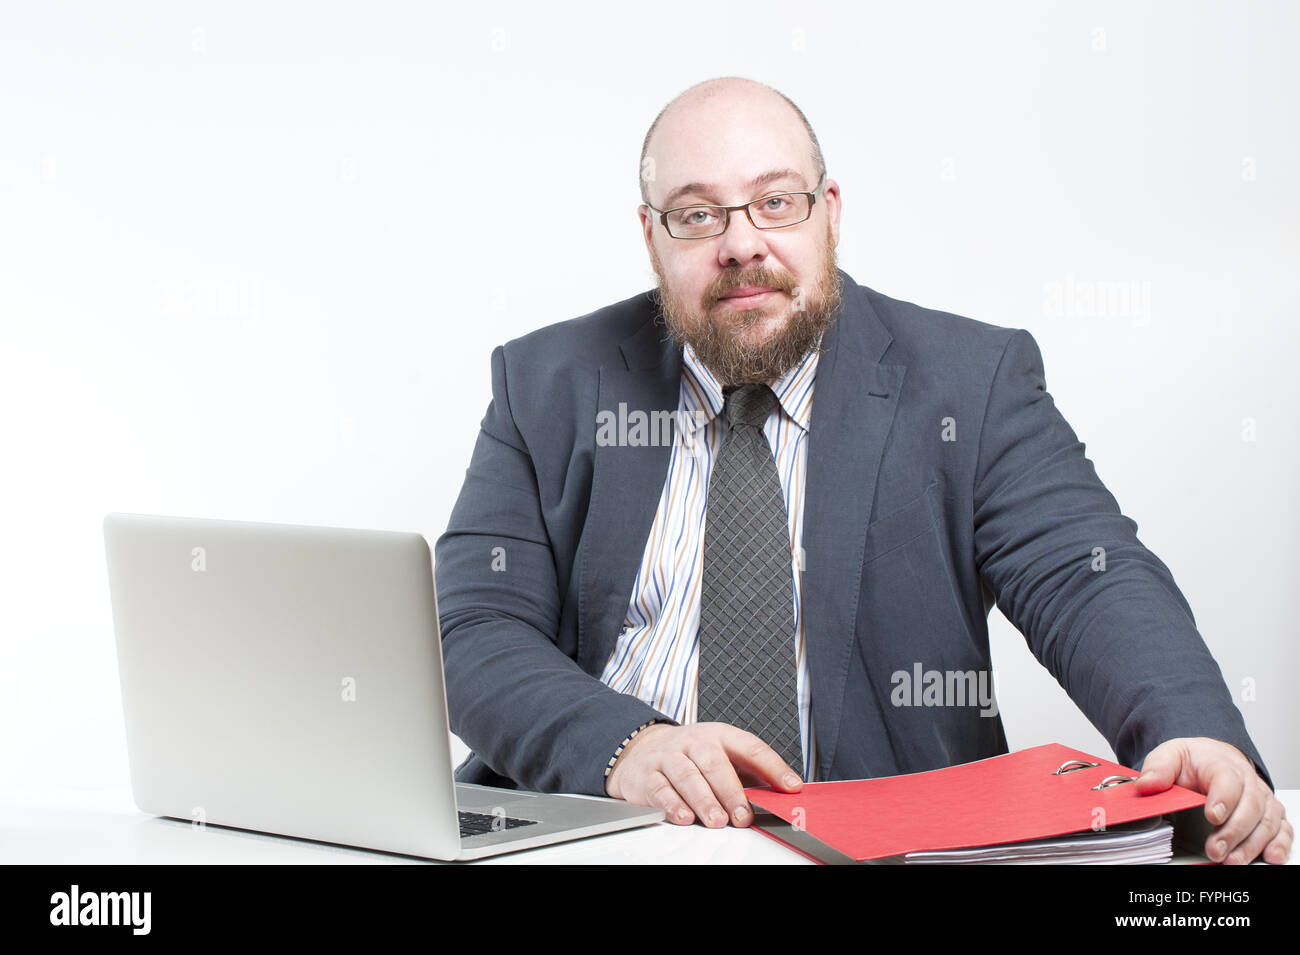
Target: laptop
288	680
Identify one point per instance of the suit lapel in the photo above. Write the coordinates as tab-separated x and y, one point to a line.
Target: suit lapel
854	402
626	485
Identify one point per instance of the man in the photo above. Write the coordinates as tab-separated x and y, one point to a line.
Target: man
874	475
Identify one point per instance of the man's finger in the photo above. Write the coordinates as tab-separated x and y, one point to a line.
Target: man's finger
1223	794
691	785
1160	769
713	762
749	752
1279	850
659	793
1262	836
1245	816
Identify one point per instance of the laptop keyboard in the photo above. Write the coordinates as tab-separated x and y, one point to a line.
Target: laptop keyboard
477	823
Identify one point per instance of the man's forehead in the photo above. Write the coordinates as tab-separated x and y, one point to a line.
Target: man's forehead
716	186
725	145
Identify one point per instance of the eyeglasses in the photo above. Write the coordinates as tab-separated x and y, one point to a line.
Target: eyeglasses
767	212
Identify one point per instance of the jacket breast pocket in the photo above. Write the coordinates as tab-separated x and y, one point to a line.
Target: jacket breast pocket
900	526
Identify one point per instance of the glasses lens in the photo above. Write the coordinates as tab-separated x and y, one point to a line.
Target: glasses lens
773	212
695	222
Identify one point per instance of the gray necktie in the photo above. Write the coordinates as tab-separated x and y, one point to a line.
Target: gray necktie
747	664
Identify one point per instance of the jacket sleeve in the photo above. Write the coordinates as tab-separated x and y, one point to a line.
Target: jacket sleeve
1099	611
520	703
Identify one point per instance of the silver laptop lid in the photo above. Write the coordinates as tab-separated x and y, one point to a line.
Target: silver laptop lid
285	679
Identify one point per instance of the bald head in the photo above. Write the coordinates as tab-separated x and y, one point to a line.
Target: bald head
709	112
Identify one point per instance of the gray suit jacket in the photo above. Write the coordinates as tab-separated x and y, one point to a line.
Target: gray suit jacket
940	478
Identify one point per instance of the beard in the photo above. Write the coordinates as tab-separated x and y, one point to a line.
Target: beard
719	334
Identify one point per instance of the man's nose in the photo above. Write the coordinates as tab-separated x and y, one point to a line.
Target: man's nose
741	243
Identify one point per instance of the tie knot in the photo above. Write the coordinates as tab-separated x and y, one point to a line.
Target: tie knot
749	405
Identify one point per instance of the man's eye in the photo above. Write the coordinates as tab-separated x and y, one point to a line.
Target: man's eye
695	216
776	203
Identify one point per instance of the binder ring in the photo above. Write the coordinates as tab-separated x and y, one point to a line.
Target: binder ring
1115	781
1070	765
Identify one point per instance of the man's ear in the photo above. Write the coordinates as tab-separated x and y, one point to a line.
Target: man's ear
831	194
647	225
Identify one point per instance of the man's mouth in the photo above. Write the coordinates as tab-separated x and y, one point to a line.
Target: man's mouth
748	296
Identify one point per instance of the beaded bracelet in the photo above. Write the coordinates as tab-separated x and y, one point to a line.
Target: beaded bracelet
623	745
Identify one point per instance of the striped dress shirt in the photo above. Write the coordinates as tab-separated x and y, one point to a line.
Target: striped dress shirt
657	655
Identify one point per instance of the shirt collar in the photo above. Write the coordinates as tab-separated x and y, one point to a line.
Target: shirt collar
702	394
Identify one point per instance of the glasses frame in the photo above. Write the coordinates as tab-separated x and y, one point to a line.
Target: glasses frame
728	210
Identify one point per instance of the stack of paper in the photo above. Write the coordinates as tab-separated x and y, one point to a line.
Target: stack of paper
1149	842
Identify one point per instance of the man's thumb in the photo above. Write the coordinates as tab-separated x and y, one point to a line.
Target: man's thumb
1160	769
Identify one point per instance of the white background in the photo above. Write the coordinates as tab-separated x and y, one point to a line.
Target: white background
254	258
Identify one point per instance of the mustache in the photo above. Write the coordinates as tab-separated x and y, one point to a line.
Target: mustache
728	283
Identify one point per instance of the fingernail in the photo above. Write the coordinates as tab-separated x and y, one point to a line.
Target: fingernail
682	815
717	815
1235	859
791	780
1220	848
741	813
1220	810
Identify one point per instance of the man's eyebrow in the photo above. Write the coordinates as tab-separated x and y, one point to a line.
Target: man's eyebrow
706	190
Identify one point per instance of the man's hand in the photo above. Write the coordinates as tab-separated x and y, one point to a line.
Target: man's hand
695	771
1250	820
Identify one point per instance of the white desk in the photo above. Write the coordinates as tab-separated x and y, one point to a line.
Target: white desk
103	827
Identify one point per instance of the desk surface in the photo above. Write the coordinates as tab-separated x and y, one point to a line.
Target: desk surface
103	827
